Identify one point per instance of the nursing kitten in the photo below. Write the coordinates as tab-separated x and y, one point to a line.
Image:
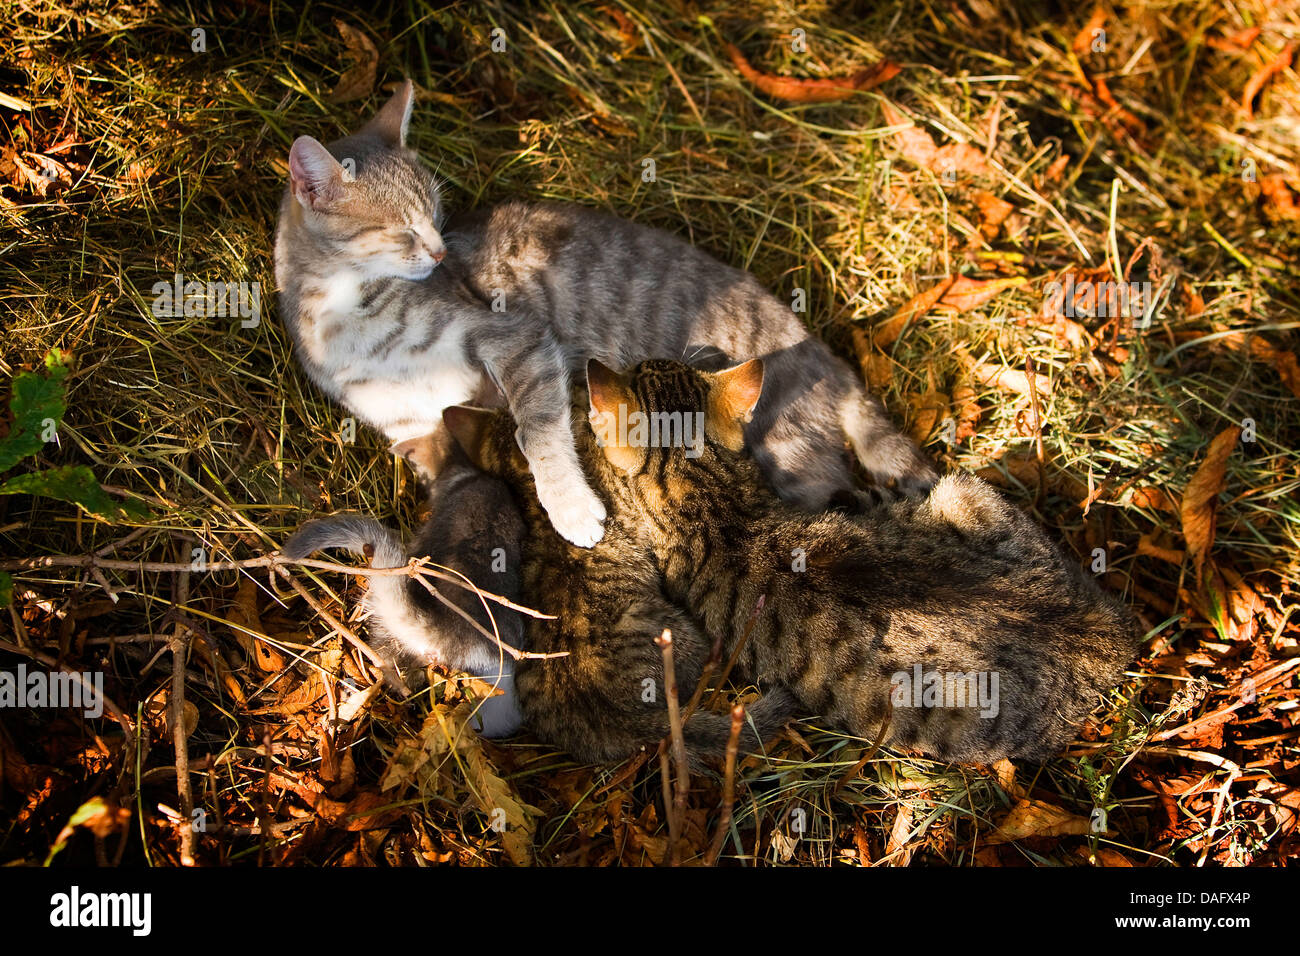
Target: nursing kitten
606	698
859	613
397	321
474	529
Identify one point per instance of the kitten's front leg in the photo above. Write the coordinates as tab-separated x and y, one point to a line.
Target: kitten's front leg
528	367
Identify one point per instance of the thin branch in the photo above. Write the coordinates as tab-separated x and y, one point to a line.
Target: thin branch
728	785
665	642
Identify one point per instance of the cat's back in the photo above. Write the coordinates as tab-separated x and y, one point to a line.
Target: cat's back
622	290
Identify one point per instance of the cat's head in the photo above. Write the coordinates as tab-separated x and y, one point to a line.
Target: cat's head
367	199
666	415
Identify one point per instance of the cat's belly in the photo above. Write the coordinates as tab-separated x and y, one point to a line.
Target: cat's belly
405	392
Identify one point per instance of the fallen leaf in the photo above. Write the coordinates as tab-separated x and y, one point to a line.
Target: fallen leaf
358	80
887	332
1262	76
1200	503
1009	379
1154	498
1083	39
966	294
826	90
1237	43
1035	818
1279	201
917	146
993	212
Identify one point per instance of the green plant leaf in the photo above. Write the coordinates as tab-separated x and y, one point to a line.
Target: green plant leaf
6	590
37	402
77	484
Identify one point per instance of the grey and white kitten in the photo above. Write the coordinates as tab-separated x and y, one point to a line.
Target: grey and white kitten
398	320
474	529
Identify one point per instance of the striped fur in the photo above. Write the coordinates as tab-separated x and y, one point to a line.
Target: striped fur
397	318
959	581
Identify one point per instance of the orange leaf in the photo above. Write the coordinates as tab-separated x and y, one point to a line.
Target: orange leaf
993	212
1288	370
1201	499
915	308
1035	818
828	90
1262	76
1083	39
918	147
1238	42
1279	202
966	294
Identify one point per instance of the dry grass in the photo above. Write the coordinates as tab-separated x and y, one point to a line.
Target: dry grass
160	160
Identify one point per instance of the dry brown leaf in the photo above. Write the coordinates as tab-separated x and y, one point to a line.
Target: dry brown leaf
827	90
1035	818
1279	201
1262	76
1154	498
1199	507
1288	371
927	410
966	294
1236	43
887	332
1057	168
1083	39
358	80
917	146
1148	546
993	212
1009	379
968	411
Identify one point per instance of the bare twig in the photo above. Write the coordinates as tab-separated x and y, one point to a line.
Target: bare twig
728	785
665	642
180	648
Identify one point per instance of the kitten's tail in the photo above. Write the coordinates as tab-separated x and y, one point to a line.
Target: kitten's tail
706	734
388	597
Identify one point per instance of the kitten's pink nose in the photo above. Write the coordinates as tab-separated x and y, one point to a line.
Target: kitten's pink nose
439	255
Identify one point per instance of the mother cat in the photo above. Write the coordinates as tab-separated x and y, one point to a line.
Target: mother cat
397	321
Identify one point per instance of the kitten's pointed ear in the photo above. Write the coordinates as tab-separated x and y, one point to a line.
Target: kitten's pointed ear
315	176
732	397
469	426
391	122
608	389
612	401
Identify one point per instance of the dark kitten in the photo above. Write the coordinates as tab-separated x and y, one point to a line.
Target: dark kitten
474	529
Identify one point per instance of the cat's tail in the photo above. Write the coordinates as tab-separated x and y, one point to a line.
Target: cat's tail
388	597
706	733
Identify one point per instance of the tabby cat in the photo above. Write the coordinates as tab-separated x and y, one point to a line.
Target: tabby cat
398	320
953	615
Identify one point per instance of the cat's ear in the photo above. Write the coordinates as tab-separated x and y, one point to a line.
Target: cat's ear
612	401
732	396
391	122
470	427
315	176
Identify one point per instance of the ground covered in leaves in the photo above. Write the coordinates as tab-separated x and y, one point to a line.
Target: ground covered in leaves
941	183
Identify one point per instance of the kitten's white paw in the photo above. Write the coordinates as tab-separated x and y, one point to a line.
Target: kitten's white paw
576	513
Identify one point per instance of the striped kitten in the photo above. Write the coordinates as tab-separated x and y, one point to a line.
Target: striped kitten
398	320
954	610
